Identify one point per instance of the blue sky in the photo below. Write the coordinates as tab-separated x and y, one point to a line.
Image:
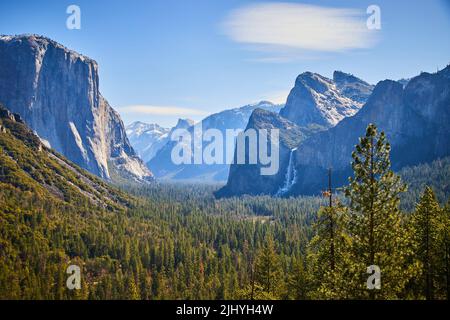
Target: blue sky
164	59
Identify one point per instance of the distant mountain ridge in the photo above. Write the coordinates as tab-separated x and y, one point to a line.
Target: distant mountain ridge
314	104
415	118
234	119
146	138
56	92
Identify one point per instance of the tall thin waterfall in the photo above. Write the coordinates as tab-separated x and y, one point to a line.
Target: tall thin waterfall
290	176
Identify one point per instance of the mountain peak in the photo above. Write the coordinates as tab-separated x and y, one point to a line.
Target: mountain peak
41	43
308	74
445	72
136	125
318	100
261	103
184	123
37	81
352	87
385	85
340	77
313	81
147	138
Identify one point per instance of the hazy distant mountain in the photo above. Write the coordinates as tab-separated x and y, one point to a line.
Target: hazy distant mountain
237	118
56	92
317	100
147	139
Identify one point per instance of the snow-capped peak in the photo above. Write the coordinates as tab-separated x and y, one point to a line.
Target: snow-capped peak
147	138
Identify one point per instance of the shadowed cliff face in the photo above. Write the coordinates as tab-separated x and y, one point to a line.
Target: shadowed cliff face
314	104
247	178
56	91
415	119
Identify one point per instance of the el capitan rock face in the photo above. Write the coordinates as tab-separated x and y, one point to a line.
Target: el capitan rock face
319	101
56	92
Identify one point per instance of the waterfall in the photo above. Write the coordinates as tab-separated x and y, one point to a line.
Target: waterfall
290	176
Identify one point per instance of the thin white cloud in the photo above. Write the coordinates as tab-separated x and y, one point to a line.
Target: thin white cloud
284	27
162	110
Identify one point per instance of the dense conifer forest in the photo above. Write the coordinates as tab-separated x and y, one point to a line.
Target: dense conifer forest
168	241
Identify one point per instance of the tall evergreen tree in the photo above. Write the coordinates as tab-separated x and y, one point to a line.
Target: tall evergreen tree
446	246
298	281
426	224
132	289
380	238
328	253
268	269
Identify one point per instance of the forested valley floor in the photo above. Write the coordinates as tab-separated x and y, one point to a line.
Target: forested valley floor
169	241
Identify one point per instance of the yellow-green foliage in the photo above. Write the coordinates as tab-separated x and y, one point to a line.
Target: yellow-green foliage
179	242
28	165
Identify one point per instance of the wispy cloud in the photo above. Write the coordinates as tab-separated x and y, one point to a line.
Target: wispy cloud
161	110
288	27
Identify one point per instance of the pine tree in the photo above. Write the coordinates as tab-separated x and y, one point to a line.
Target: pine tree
444	253
328	254
145	285
426	226
163	286
379	235
268	269
298	281
132	289
446	226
